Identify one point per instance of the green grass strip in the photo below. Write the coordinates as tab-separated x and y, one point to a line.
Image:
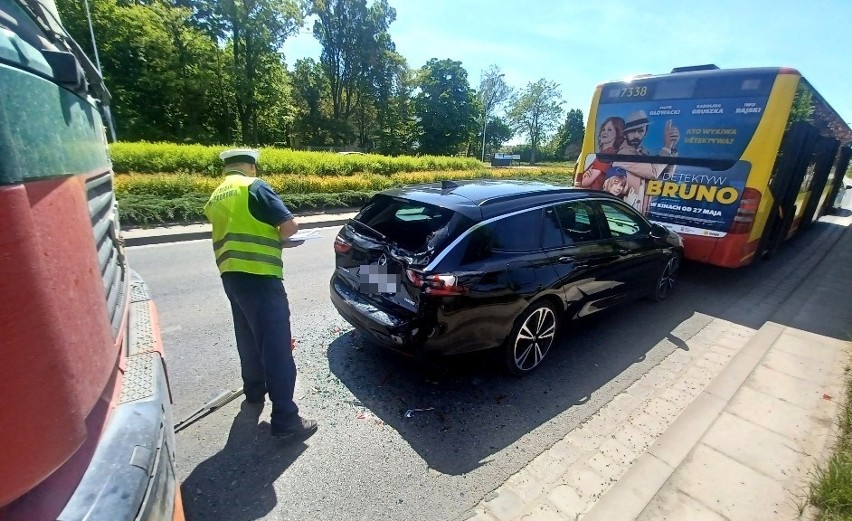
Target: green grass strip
831	490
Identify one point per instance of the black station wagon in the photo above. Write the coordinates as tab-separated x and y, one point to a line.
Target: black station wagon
451	268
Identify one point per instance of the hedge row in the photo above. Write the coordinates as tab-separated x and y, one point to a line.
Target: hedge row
177	185
152	210
145	158
178	198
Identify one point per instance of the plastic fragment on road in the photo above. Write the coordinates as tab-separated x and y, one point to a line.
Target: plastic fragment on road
368	416
410	412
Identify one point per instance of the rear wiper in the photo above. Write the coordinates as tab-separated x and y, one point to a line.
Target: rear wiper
375	232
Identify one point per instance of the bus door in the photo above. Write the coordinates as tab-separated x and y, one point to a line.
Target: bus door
796	151
826	150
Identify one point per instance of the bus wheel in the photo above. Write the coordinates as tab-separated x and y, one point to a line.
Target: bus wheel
667	279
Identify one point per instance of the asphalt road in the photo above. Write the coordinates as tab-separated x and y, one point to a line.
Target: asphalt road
369	460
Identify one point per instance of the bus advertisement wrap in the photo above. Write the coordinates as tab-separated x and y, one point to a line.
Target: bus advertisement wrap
697	201
735	160
710	134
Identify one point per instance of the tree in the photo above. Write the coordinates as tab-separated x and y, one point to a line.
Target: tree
202	110
394	128
357	51
497	132
536	112
569	138
274	95
159	69
445	107
312	123
493	92
255	30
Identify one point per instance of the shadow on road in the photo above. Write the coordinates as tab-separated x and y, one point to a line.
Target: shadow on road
237	482
474	408
470	409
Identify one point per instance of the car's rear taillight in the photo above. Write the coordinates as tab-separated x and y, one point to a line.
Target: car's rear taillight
341	245
414	277
439	285
744	219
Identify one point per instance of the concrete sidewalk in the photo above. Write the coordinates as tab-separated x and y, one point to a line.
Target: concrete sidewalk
731	428
745	448
192	232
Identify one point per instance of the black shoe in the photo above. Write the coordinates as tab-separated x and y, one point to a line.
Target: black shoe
301	428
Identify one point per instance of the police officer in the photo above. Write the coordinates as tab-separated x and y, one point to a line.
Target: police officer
250	225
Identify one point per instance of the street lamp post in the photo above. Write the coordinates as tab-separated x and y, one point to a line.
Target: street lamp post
485	117
484	123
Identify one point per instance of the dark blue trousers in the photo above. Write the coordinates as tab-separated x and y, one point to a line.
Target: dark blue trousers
262	326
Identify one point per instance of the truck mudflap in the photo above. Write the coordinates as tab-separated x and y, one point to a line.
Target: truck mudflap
132	474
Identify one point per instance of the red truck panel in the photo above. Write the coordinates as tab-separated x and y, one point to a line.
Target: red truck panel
57	354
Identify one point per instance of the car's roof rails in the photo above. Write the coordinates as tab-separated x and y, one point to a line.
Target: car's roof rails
520	195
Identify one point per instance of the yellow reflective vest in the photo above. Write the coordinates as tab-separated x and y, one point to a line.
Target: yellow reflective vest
241	242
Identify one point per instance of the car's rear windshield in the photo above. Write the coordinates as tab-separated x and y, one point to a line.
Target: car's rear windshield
412	225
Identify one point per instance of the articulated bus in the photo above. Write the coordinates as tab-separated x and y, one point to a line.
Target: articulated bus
736	161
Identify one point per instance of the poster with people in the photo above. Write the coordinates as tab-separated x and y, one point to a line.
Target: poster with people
674	160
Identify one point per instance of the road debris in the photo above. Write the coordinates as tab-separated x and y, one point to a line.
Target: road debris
411	412
368	416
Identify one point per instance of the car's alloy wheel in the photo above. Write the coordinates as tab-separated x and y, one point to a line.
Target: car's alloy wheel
668	278
531	339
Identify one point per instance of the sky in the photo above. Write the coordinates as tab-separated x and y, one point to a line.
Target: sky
581	43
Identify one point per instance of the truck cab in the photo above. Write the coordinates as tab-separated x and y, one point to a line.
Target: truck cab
86	426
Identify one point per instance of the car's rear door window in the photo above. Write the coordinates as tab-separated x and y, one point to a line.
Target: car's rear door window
569	223
622	221
516	233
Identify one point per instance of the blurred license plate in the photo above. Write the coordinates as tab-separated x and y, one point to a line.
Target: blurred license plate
373	278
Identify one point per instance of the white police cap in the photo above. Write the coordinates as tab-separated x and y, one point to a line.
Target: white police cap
240	155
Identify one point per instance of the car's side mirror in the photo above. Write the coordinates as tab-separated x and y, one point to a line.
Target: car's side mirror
658	231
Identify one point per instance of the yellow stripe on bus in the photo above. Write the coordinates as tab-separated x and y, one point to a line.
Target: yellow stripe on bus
761	151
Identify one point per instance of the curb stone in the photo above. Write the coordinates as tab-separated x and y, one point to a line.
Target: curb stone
140	238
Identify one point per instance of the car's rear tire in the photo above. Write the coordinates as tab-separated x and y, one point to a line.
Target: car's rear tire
531	338
667	279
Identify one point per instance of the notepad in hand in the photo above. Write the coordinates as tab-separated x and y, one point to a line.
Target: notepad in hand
304	235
